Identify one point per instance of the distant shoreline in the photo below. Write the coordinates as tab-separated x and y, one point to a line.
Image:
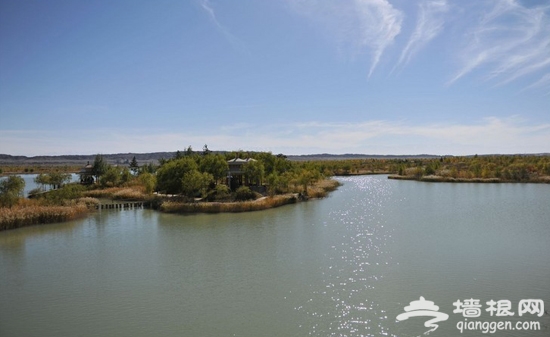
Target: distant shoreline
440	179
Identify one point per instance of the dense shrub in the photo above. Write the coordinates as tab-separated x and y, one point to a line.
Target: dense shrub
244	193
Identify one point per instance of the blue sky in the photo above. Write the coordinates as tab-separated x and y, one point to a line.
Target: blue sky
287	76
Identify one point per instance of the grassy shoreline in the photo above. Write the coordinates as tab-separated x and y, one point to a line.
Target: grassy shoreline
229	207
29	215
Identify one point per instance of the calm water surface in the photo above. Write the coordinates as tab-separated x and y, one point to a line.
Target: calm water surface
342	266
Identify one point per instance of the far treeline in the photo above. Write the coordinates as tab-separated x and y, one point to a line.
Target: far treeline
486	168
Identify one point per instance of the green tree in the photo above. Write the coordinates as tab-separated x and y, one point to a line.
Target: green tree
254	172
99	167
134	167
216	165
149	168
169	175
125	176
148	181
42	179
307	177
189	151
57	179
67	192
195	182
111	177
205	150
222	192
11	189
244	193
273	182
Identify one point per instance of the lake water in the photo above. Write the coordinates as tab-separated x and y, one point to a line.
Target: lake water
345	265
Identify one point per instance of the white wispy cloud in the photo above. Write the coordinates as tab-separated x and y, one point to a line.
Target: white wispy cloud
544	81
510	42
358	25
429	24
232	39
488	135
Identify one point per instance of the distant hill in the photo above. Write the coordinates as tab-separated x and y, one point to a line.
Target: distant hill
118	158
328	156
153	157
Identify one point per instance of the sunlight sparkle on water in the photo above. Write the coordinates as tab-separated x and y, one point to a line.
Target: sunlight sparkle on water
355	265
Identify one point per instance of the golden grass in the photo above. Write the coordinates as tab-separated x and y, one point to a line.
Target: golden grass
321	188
218	207
28	214
119	193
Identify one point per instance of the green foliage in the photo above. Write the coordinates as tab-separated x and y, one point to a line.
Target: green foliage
42	179
149	168
205	150
189	151
216	165
115	176
125	176
111	177
307	176
492	168
244	193
148	181
273	182
53	179
254	172
222	192
67	192
134	167
11	189
170	175
195	183
99	167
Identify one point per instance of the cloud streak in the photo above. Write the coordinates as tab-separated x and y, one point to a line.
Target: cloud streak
357	25
429	24
510	42
233	40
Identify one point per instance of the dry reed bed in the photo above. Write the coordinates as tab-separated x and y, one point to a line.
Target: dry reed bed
24	215
234	207
321	188
118	193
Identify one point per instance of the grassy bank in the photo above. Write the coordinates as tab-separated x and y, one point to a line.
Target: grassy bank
119	193
29	213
